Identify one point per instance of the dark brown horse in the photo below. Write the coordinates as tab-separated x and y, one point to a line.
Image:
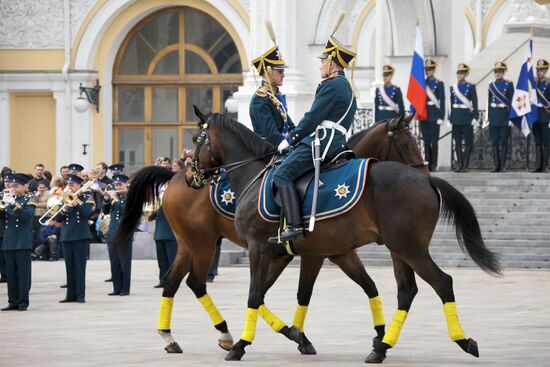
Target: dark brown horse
197	233
400	207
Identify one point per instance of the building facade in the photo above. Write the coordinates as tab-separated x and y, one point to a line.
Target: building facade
155	59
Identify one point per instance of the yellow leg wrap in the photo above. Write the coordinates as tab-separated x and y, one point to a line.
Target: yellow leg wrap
377	311
271	319
211	308
165	313
455	330
300	317
395	328
249	330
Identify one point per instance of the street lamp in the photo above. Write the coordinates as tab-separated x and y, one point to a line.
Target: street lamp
88	95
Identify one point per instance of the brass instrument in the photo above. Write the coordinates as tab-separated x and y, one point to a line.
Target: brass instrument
150	208
115	194
104	225
66	199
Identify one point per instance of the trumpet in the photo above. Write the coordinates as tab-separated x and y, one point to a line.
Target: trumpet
60	203
115	194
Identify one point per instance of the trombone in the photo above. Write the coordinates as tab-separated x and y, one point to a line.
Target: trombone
57	204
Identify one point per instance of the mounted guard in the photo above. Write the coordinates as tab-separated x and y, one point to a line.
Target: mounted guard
268	108
332	113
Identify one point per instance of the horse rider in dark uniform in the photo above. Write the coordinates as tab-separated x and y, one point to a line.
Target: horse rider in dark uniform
435	89
500	95
121	266
268	108
332	112
388	99
464	116
75	237
17	243
541	128
6	185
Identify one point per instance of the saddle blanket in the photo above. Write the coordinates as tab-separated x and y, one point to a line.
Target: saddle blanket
222	197
342	188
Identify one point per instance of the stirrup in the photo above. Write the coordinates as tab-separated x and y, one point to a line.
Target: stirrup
289	234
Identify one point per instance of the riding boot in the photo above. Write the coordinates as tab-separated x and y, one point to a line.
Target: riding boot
467	155
503	156
496	158
544	158
290	202
459	160
433	158
538	157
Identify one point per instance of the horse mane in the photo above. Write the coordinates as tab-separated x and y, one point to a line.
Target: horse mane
251	141
355	138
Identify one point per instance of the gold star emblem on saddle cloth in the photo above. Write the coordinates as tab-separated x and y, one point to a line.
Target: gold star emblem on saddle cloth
342	191
227	197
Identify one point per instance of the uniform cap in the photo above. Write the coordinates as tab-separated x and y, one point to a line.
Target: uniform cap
430	64
120	178
542	64
388	69
338	52
271	58
75	167
500	65
20	178
462	68
116	167
75	179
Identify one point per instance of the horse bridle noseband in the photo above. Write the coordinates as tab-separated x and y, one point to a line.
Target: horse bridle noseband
395	145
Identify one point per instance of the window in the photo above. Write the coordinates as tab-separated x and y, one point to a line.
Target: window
170	61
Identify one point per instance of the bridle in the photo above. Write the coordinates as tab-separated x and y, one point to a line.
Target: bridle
202	176
392	133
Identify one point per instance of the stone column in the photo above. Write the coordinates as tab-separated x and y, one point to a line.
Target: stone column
284	17
4	128
63	129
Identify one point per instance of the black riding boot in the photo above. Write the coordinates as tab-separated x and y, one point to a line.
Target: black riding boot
467	155
496	158
503	156
545	152
538	156
459	160
291	208
433	160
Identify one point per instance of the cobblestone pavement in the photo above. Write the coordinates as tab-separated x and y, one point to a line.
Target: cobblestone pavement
509	317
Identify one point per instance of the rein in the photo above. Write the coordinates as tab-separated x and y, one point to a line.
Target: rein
393	144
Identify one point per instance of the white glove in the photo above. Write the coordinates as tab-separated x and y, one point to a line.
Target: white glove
283	145
439	121
474	122
510	123
448	124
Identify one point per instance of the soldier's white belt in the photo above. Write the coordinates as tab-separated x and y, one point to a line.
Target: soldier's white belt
459	105
327	124
430	103
499	105
385	108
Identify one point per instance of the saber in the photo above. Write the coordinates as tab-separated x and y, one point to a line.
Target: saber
316	147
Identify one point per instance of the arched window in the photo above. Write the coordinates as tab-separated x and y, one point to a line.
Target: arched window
170	61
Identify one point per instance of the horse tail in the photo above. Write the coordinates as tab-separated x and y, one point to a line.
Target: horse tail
458	211
143	188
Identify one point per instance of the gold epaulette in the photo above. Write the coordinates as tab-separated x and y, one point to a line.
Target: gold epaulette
32	201
262	91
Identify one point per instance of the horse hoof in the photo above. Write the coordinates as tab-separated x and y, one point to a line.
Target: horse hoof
307	349
173	348
375	357
469	346
235	354
296	335
225	341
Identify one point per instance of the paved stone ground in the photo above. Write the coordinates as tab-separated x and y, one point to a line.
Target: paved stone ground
509	317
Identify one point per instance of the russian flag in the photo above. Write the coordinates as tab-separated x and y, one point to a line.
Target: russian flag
416	92
524	111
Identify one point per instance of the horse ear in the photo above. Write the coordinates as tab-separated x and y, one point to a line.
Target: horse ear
396	122
199	114
407	120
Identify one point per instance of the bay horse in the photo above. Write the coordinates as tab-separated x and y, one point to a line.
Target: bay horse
197	234
399	207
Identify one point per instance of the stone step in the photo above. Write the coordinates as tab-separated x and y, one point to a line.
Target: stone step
450	235
444	264
466	190
438	250
452	176
510	209
504	257
497	243
507	197
507	215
